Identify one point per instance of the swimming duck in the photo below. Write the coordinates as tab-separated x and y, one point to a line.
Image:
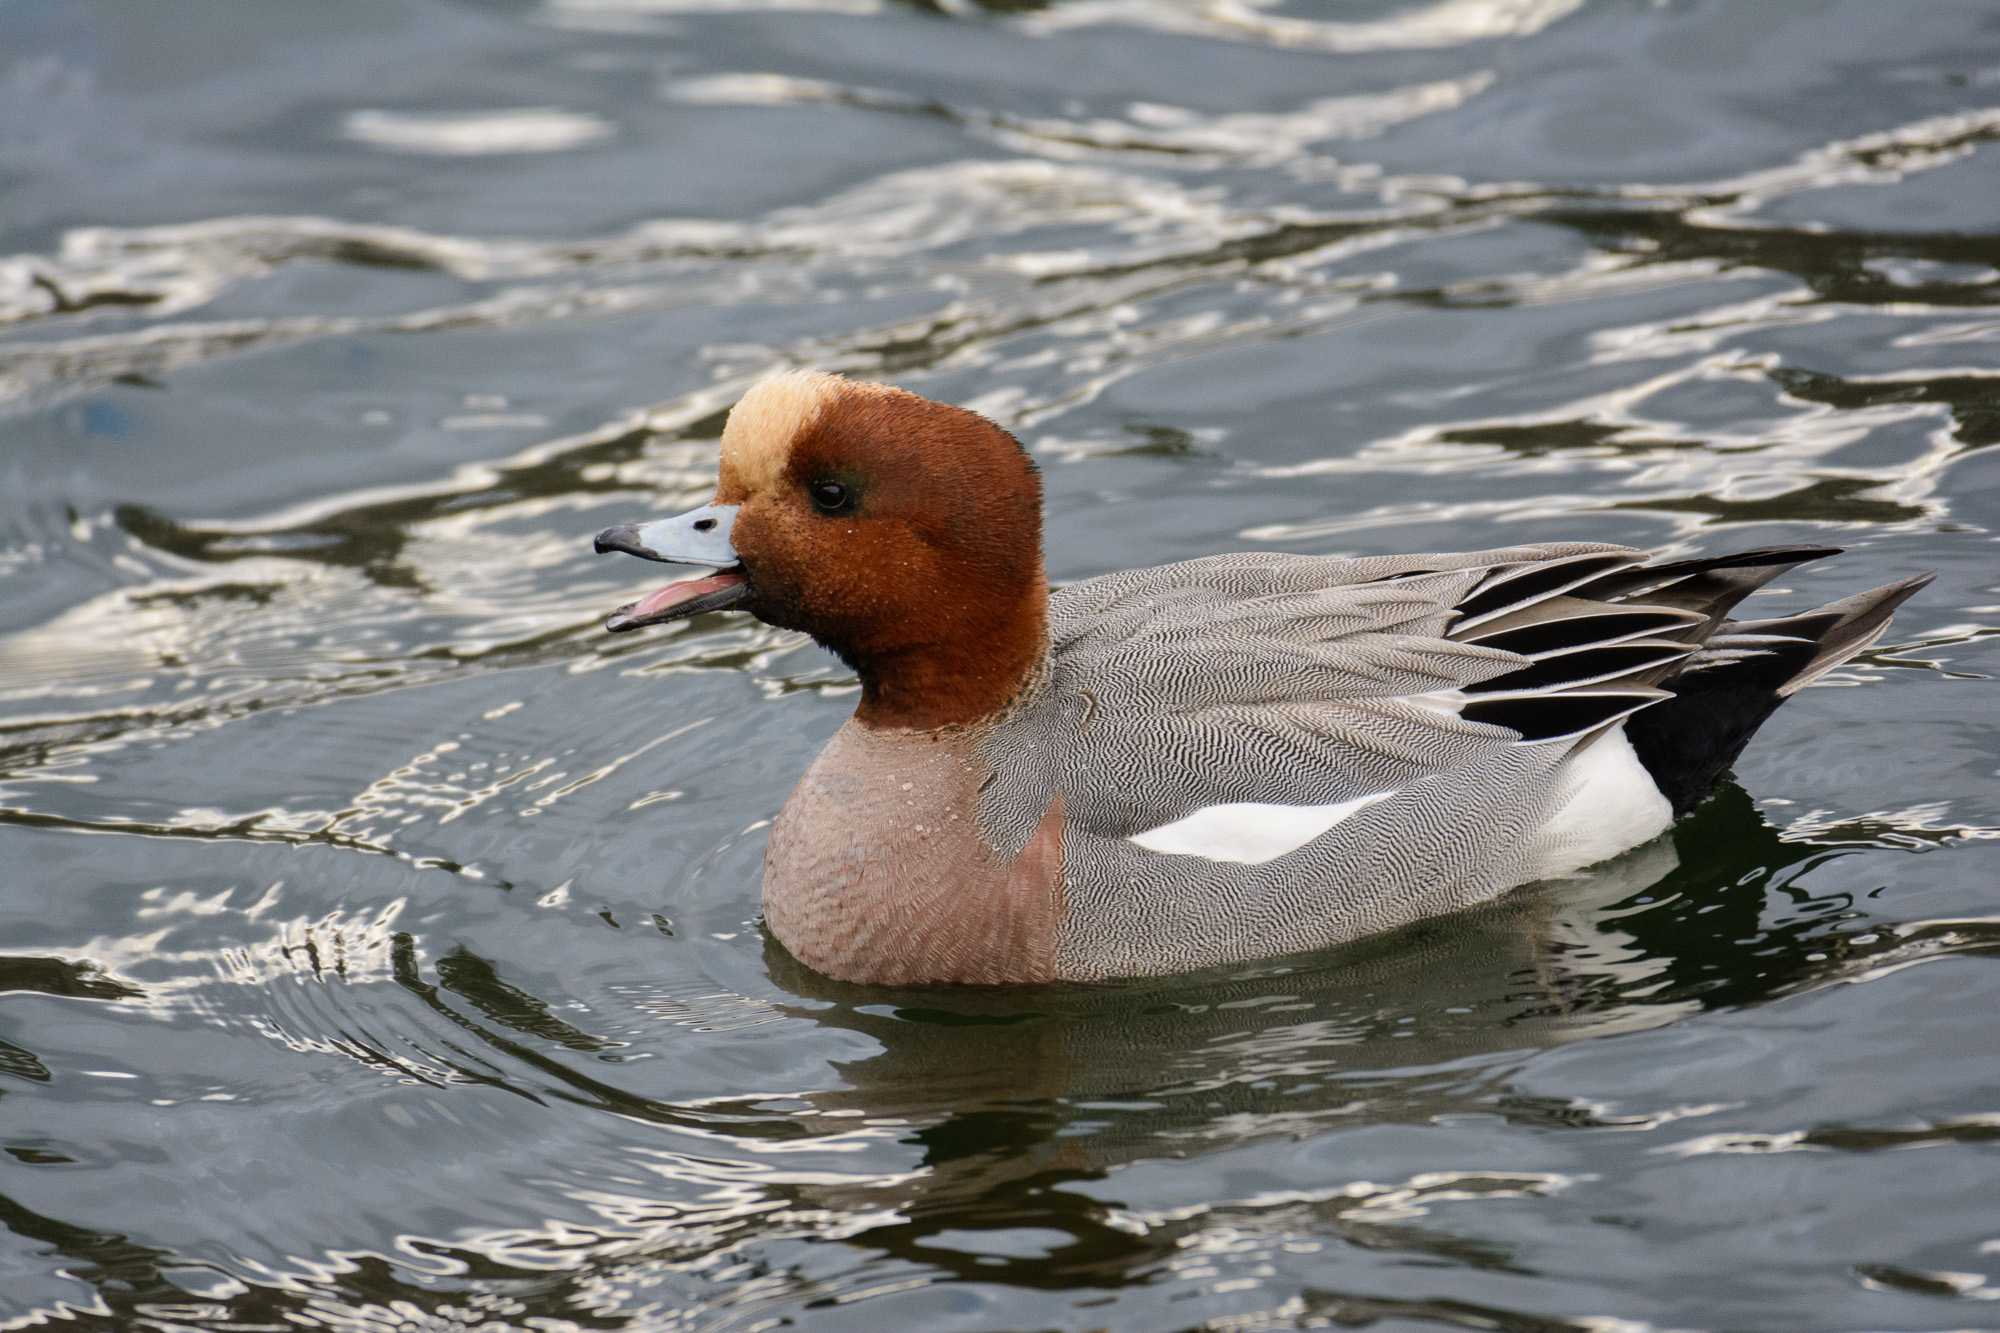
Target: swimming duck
1199	763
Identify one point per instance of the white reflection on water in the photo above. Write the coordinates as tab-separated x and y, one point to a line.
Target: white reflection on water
539	129
1446	23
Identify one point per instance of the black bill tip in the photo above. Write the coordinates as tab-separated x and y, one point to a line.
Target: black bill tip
624	537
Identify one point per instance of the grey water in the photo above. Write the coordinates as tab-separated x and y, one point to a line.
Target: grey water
379	941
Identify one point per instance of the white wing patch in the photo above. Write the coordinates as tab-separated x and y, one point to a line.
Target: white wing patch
1250	832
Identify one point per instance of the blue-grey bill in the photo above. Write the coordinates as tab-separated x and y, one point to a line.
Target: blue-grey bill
699	538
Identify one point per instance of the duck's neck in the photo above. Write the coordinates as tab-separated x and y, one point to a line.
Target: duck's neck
993	656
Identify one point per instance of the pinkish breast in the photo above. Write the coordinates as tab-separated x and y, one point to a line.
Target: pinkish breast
877	870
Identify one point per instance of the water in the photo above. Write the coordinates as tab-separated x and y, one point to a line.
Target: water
378	937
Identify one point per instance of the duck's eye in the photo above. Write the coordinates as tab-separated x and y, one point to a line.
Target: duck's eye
831	497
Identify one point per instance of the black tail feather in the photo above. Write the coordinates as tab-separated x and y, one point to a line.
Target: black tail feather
1740	676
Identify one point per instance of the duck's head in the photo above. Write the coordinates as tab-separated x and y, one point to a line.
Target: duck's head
905	535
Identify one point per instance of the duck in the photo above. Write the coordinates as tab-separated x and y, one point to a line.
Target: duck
1199	764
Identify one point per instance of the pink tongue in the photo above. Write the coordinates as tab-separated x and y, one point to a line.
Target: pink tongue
665	599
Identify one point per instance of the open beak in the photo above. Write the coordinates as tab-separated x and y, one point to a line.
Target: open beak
699	538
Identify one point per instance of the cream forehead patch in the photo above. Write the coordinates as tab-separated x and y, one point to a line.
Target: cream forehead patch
758	435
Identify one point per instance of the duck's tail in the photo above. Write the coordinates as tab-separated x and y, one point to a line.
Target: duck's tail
1740	675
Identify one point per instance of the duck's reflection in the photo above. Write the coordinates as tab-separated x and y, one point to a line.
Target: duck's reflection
1015	1095
1020	1105
1671	927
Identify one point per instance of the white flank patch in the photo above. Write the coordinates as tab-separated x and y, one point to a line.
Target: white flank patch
1250	832
1612	805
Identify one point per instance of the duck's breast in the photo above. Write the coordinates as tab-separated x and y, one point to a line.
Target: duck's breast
877	869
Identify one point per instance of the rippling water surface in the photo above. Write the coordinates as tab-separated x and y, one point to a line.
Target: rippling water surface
378	938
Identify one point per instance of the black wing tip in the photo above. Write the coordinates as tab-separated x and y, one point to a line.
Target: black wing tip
1760	556
1561	715
1757	557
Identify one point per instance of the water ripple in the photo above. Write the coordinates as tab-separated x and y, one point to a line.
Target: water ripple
357	877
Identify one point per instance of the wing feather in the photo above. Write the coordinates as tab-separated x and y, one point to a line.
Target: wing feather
1259	678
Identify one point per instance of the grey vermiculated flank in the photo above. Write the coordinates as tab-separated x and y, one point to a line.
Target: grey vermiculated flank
1297	680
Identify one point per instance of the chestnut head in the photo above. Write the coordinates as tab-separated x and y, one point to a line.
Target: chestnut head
903	534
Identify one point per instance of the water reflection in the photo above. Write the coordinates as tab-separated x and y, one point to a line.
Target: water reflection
520	130
1167	231
1640	942
1020	1109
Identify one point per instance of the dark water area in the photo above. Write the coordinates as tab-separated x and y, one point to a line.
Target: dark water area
379	941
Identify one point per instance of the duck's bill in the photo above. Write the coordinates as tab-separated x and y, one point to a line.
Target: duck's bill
705	590
699	538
